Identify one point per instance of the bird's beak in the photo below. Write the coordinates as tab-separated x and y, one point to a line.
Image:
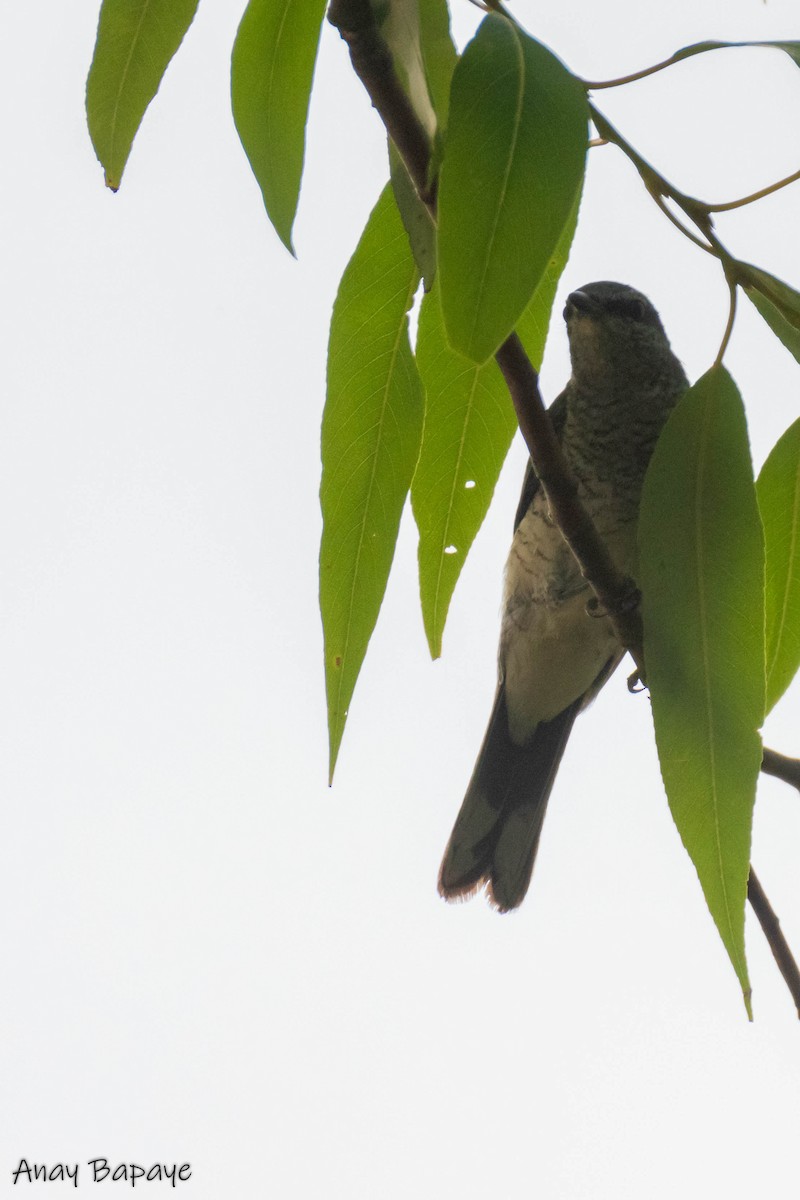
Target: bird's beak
579	304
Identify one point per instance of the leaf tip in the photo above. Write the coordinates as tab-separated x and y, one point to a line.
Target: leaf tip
335	741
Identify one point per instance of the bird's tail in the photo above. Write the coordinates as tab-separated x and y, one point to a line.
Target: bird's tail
496	834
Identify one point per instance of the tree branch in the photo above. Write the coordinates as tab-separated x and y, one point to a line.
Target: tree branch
373	64
774	935
782	767
616	594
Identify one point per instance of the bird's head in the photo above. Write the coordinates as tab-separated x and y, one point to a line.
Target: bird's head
615	335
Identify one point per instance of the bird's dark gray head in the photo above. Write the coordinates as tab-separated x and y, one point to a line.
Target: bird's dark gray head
615	336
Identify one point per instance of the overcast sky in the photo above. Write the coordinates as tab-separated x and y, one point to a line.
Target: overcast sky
210	957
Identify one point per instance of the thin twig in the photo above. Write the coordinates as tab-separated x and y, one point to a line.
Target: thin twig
596	85
660	189
774	935
781	766
659	200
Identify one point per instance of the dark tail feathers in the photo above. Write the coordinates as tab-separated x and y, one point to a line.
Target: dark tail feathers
496	834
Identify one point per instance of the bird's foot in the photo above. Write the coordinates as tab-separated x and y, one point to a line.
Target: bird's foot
635	683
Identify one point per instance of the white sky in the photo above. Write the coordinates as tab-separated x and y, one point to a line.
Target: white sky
209	956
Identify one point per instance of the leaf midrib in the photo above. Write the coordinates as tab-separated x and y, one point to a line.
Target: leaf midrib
504	185
123	81
705	656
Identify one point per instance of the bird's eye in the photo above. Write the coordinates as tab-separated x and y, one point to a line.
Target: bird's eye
631	307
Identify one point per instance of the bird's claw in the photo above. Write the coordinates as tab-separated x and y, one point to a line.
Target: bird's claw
635	683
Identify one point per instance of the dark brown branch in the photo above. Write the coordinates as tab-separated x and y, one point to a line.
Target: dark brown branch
373	64
782	767
774	935
617	595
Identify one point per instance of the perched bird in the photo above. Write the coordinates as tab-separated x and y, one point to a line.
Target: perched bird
554	655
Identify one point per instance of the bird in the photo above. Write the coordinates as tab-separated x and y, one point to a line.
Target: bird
555	654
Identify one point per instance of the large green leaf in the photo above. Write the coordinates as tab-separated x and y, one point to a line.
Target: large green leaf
702	577
513	165
135	41
469	425
778	491
370	441
778	304
272	68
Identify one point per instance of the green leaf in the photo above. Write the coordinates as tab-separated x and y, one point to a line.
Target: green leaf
778	304
272	68
135	41
702	577
469	426
778	491
371	432
513	165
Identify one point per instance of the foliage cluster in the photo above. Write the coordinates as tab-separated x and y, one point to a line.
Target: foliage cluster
488	152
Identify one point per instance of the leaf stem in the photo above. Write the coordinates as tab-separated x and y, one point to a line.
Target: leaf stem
759	195
726	337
